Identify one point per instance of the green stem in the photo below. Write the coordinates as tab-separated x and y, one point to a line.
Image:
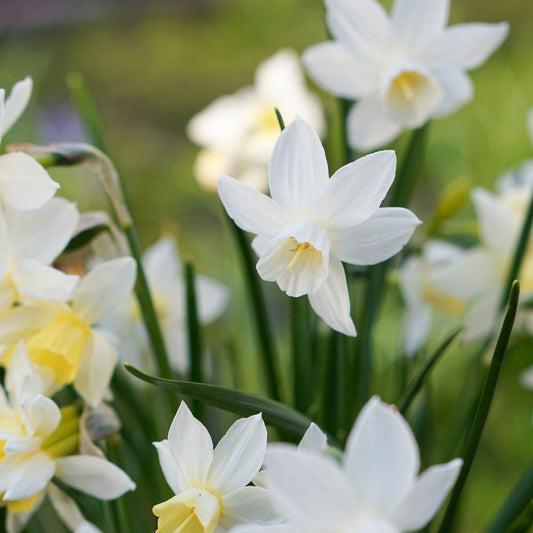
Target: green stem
260	312
516	503
483	407
301	351
194	335
416	383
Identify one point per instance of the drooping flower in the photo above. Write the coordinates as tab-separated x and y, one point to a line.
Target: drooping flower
477	276
59	331
421	296
165	278
403	69
237	132
210	486
39	441
312	223
29	243
376	488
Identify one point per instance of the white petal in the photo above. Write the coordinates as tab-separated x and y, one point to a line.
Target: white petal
376	239
95	369
168	466
297	270
43	416
499	224
191	446
298	170
247	504
480	318
466	46
16	103
362	26
314	439
22	444
427	496
369	125
41	234
87	527
161	262
21	382
381	458
417	21
275	528
65	507
26	476
417	322
309	489
24	183
239	455
458	91
94	475
338	71
332	301
213	298
36	280
250	209
103	288
356	190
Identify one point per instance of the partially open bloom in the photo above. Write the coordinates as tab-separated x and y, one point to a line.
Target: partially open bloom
402	69
39	441
210	486
376	488
237	132
312	223
59	331
164	273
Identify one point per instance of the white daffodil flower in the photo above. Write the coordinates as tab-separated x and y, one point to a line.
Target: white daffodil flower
376	488
237	132
164	274
59	335
40	441
312	223
421	296
478	275
14	105
29	242
403	69
210	486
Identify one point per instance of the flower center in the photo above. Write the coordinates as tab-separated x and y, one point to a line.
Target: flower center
65	439
59	346
299	250
407	83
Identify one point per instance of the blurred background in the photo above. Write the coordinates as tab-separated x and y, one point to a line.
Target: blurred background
152	64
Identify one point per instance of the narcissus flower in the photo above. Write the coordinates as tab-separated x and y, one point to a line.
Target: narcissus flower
210	486
402	69
39	441
312	223
59	334
237	132
376	488
164	273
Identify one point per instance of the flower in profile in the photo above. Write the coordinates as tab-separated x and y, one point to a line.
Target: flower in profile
210	486
237	132
39	441
420	295
312	223
376	488
59	331
477	276
164	274
14	105
403	69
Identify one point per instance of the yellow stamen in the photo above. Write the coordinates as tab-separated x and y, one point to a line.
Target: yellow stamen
404	82
299	250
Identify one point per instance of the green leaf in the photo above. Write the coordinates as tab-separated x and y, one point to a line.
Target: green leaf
416	383
238	402
516	503
483	407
